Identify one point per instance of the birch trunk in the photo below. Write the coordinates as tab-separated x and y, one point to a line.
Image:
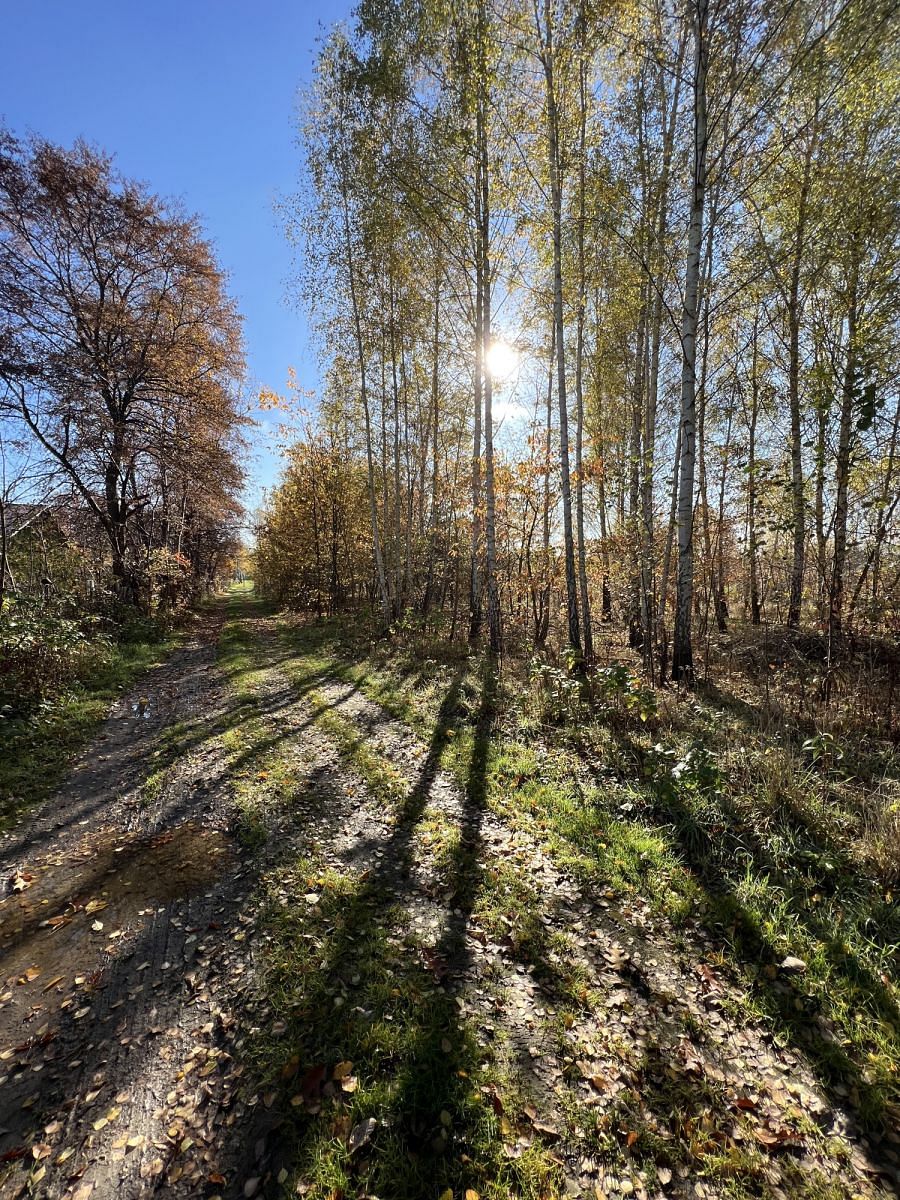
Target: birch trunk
574	627
682	650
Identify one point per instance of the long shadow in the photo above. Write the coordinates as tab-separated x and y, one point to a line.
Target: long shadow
785	997
717	852
54	1074
680	1117
35	1092
119	742
400	1023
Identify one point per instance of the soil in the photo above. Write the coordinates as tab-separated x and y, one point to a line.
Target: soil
129	980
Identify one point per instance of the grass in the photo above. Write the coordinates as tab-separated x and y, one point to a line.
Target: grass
728	832
368	1032
36	750
725	827
363	1025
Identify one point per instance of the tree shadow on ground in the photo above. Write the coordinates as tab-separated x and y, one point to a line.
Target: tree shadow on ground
379	991
98	1033
722	852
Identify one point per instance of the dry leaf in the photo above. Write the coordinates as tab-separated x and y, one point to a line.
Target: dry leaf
361	1134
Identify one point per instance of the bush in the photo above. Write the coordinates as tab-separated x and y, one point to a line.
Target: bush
563	697
41	654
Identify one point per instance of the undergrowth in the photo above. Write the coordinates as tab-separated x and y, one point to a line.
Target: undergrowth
768	843
58	678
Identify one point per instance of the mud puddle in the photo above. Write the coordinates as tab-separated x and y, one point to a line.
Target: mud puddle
66	919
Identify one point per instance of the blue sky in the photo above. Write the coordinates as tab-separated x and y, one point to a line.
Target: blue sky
197	98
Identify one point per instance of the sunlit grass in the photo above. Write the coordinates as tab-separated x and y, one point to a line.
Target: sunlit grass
741	839
36	750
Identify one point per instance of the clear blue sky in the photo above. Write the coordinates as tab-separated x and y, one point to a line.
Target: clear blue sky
197	98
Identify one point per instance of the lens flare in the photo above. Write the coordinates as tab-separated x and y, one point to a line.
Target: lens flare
501	360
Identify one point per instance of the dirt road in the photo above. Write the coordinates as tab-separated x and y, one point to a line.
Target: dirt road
133	973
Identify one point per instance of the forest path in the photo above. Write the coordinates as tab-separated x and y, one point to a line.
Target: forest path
122	953
268	946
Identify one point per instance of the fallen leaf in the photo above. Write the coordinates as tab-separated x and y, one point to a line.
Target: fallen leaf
291	1067
548	1130
311	1087
792	965
436	965
361	1134
777	1139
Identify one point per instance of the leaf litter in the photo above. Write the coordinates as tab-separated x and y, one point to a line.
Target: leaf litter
611	1055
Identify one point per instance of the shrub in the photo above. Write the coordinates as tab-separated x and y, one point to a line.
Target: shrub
43	654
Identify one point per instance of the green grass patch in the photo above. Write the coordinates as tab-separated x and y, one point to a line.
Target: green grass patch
367	1032
718	824
36	750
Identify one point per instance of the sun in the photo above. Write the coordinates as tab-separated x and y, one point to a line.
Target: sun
501	360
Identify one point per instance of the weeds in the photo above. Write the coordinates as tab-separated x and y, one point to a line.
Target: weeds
62	704
772	844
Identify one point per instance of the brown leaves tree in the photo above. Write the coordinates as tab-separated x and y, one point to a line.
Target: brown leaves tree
120	350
